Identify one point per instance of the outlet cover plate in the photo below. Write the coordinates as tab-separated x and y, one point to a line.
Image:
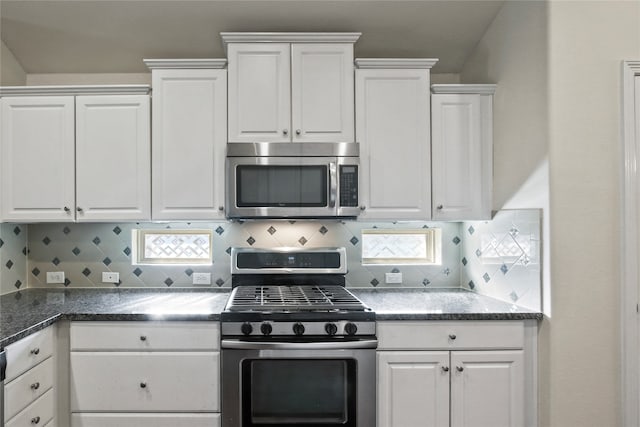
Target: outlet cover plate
55	276
201	278
110	277
393	277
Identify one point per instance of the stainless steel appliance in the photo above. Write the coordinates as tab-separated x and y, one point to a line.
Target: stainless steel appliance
298	349
292	180
3	369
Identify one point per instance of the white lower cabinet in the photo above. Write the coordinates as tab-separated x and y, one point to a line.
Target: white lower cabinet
460	379
155	373
30	396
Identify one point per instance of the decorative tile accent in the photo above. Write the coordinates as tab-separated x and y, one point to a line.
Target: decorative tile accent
106	261
374	282
117	230
426	282
137	272
219	230
55	261
188	272
464	261
66	230
96	241
35	271
9	264
504	268
251	241
86	272
486	277
471	230
302	241
76	251
354	240
17	230
168	282
46	240
323	230
271	230
13	262
219	282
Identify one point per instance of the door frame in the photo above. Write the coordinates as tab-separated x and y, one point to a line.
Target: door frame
630	239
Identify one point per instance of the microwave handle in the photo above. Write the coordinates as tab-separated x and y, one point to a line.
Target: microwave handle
333	184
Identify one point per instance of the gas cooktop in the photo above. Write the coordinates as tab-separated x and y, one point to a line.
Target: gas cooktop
293	298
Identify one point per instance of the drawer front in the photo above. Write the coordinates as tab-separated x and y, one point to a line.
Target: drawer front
145	420
38	413
450	335
28	352
140	336
23	390
138	381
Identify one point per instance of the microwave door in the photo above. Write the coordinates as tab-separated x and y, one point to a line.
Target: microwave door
281	187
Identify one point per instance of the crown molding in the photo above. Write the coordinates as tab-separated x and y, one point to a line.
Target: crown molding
481	89
394	63
156	64
293	37
75	90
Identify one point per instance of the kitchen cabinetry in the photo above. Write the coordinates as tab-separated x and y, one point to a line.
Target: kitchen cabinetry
29	397
462	150
393	129
75	153
189	117
128	374
290	87
458	374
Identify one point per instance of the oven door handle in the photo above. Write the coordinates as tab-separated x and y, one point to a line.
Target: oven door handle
253	345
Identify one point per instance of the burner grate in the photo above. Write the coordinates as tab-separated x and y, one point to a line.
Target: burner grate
293	298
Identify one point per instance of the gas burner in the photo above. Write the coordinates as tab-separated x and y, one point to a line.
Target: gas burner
293	298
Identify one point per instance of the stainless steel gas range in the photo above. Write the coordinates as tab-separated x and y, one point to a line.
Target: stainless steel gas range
297	347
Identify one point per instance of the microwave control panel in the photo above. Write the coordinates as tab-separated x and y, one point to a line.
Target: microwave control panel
348	185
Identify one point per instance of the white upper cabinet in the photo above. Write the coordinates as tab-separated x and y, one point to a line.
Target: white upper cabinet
393	129
189	139
75	153
462	149
113	172
290	87
38	170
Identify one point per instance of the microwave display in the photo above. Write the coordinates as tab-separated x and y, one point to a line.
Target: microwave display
281	186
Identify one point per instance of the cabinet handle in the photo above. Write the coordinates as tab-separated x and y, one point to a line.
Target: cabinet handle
298	131
439	207
35	420
363	207
452	336
221	208
285	132
445	369
460	368
143	385
35	386
143	337
66	209
79	209
35	351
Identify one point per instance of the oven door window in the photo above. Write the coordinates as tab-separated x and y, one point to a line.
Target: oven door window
301	392
282	186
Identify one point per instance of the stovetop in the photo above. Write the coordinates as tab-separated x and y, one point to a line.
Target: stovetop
293	298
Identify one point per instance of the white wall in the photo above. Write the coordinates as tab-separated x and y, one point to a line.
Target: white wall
11	72
88	79
580	344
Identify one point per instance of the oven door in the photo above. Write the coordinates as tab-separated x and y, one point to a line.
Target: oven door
281	187
304	384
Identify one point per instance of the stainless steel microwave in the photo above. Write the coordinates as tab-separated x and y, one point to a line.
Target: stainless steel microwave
292	180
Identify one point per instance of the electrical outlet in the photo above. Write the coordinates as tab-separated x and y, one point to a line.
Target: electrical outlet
110	277
393	277
55	276
201	278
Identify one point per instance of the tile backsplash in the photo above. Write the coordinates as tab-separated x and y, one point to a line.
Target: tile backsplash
13	257
499	258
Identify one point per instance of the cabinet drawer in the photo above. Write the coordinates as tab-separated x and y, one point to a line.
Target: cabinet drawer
145	420
28	352
139	381
139	336
448	335
23	390
39	412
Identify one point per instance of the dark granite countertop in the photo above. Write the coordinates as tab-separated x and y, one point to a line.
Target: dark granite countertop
25	312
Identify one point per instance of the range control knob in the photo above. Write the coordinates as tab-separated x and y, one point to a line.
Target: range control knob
350	328
330	329
266	328
246	328
298	328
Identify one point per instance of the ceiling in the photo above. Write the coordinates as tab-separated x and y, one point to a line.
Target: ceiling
93	36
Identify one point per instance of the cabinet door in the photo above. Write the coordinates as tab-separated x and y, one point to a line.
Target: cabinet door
113	158
37	164
189	140
259	92
322	92
462	156
413	389
392	126
487	388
